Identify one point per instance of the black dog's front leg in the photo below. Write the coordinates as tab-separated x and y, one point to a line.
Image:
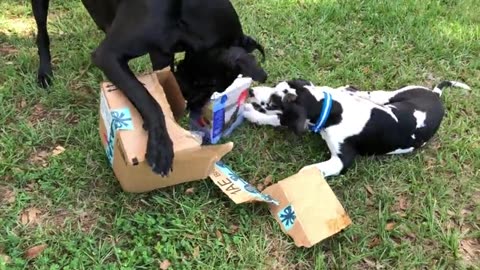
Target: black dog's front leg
160	60
159	146
40	12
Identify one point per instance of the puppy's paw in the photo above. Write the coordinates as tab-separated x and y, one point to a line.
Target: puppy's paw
160	151
249	107
309	167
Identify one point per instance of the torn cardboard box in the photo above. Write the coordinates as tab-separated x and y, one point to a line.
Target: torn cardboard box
303	204
125	140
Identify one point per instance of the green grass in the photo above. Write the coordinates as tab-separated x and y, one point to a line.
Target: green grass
431	196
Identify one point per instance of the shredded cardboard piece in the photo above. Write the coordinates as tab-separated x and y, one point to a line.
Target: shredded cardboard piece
235	187
308	211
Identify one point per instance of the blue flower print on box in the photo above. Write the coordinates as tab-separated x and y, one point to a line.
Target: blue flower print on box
287	216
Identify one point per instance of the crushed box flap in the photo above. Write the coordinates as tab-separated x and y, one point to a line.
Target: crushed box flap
308	211
235	187
134	141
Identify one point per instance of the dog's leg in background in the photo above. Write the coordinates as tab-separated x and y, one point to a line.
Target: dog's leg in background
40	12
160	60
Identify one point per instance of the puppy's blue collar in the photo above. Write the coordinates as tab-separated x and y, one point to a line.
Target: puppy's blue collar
324	114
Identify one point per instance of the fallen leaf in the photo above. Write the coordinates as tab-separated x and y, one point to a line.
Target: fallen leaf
30	216
280	52
190	191
190	236
234	228
165	264
465	212
23	103
369	262
35	251
375	242
268	180
402	203
57	151
390	226
411	235
366	70
218	234
196	252
5	258
369	189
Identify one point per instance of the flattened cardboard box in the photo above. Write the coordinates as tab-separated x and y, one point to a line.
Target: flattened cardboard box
303	204
125	140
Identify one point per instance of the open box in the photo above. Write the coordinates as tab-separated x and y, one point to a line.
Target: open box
303	204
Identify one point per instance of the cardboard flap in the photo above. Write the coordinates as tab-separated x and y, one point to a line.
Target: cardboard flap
235	187
134	141
308	211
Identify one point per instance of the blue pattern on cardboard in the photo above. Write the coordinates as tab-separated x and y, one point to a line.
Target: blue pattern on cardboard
121	120
287	216
244	185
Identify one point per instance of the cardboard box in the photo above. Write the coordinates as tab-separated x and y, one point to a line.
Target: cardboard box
303	204
125	140
223	114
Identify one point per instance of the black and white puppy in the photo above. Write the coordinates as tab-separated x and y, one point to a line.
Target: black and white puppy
352	122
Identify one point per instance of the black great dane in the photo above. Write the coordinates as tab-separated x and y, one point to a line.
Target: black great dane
208	31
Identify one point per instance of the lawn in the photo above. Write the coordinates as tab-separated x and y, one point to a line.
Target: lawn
421	210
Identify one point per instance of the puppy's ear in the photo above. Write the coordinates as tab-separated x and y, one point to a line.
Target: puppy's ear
294	117
289	97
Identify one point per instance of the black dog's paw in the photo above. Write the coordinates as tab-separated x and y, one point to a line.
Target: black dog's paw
44	78
160	151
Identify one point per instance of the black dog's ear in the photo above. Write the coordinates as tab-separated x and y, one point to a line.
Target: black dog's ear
241	61
250	45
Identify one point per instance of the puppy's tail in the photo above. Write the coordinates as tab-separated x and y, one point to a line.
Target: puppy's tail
441	86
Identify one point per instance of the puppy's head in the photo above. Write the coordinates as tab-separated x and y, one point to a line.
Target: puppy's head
201	74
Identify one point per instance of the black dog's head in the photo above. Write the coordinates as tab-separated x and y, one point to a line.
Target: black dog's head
200	74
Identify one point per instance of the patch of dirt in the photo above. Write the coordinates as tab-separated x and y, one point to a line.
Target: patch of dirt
470	251
60	218
278	249
39	114
39	158
7	195
6	49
